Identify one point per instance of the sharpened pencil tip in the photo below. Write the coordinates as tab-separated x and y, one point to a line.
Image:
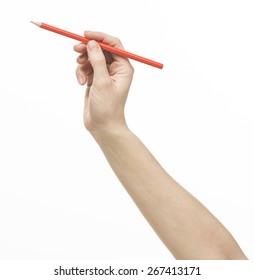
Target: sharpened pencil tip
36	23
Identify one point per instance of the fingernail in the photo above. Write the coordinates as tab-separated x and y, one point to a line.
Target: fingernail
81	79
92	46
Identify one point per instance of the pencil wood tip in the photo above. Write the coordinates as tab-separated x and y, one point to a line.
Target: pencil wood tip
36	23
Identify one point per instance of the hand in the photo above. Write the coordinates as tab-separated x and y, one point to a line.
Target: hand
108	78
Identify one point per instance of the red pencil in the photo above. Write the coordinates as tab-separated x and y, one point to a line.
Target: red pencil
103	46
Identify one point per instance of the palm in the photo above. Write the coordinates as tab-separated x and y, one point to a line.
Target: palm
99	101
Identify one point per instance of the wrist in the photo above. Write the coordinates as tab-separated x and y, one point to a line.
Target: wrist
110	133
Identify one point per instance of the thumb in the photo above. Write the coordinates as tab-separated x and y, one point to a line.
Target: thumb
97	60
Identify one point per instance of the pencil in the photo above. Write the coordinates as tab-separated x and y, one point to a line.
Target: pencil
103	46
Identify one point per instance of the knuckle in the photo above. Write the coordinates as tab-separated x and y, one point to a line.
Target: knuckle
81	59
117	41
132	70
78	60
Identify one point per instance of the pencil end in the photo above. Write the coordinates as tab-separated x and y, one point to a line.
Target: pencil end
36	23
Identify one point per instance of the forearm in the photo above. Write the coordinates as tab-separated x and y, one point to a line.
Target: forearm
185	226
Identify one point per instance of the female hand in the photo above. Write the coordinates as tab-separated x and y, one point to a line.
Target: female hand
108	78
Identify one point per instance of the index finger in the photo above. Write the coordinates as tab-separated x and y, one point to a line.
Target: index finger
104	38
108	40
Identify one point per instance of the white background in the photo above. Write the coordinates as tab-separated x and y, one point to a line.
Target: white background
58	197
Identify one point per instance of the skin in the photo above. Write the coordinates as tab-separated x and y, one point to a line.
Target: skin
184	225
